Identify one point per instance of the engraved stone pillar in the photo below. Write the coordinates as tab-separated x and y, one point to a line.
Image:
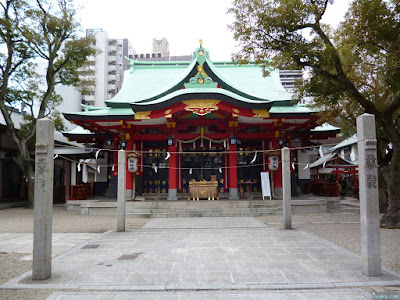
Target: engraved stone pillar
121	190
43	199
369	199
287	197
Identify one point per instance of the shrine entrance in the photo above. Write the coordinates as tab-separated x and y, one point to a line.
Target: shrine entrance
205	165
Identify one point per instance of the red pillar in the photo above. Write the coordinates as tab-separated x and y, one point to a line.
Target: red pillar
232	167
173	173
173	168
129	183
355	180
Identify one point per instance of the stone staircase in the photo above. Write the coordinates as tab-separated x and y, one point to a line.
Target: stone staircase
202	208
159	207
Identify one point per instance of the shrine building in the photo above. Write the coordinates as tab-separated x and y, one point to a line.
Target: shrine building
199	121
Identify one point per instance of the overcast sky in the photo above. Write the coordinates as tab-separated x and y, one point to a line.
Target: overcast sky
182	22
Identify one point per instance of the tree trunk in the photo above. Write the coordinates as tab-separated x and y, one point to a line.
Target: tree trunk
31	191
383	199
391	219
26	165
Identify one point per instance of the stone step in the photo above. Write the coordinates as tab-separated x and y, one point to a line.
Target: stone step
197	214
204	204
185	210
127	208
203	207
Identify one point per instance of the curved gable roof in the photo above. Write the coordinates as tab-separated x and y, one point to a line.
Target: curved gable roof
248	79
149	83
146	80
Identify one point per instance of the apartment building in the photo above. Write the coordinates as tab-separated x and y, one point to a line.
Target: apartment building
107	67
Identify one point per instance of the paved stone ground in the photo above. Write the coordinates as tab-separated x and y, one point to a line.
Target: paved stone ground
353	294
240	256
23	242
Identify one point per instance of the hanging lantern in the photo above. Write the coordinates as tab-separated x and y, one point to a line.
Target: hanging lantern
273	163
132	164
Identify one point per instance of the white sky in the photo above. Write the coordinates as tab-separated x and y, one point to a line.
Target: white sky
182	22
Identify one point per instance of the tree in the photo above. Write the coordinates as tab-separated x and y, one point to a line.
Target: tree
352	70
40	31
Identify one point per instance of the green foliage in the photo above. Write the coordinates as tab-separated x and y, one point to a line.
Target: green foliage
38	33
351	70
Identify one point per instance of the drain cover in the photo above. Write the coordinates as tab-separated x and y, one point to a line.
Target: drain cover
90	247
129	256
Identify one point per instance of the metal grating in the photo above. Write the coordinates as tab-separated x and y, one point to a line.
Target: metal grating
129	256
90	247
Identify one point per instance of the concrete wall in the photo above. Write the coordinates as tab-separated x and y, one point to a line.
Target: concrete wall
71	102
101	72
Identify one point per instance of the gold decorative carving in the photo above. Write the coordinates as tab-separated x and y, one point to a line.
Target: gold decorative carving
171	124
168	111
201	107
142	115
236	111
260	113
200	71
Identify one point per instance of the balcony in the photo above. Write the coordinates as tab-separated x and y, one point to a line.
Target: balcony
112	59
112	49
112	78
112	68
88	98
111	86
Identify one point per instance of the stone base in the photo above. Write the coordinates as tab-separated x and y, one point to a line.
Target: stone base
278	191
172	194
128	194
233	194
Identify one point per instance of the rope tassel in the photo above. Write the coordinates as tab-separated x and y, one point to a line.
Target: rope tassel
254	158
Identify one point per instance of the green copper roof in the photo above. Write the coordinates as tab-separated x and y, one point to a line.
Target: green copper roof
297	108
186	94
144	81
249	79
147	82
154	85
109	112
